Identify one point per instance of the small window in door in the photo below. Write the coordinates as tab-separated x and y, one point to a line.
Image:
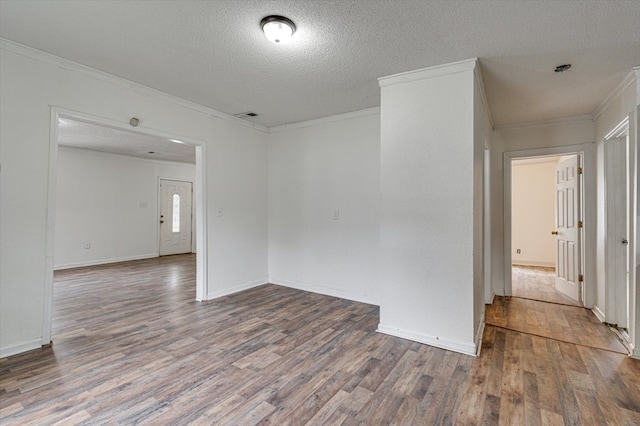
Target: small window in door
176	213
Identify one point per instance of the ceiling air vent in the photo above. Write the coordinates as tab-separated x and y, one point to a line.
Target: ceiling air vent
246	115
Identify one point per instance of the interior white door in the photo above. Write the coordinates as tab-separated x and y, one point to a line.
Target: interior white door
616	243
567	228
175	217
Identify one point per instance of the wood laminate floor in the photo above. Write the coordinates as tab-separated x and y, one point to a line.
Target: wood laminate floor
131	346
537	283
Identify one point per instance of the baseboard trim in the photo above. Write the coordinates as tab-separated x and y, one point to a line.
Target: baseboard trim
105	261
598	313
525	262
237	288
450	345
324	290
20	348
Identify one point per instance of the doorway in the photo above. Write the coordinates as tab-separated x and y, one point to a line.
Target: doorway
587	201
618	246
546	215
201	271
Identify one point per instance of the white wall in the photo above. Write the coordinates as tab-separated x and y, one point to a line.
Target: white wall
426	262
314	170
99	198
531	137
532	213
236	178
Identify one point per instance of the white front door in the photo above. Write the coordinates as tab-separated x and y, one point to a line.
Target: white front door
567	228
175	217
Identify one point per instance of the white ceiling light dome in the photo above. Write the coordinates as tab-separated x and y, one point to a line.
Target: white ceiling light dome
277	29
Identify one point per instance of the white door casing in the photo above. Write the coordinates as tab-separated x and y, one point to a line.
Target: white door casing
175	217
617	224
567	230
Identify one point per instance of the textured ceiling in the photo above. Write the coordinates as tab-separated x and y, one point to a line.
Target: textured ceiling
78	134
213	52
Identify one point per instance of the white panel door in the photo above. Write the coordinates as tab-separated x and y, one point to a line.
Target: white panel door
175	217
567	231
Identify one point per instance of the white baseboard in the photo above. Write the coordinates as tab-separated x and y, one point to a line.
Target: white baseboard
237	288
529	262
323	289
451	345
490	301
22	347
598	313
105	261
635	353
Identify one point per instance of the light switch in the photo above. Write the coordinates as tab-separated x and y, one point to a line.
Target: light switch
143	204
219	213
87	245
336	215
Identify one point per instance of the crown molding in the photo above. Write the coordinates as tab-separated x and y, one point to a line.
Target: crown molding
626	82
430	72
326	120
576	119
66	64
477	73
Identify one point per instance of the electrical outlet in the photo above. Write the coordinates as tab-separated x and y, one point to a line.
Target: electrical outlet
518	251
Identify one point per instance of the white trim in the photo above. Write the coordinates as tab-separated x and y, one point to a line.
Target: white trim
237	288
202	234
547	123
635	353
429	72
528	262
598	313
66	64
325	120
451	345
589	212
128	157
324	289
619	131
477	73
602	106
19	348
480	333
104	261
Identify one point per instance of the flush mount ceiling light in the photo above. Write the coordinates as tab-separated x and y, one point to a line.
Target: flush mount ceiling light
277	28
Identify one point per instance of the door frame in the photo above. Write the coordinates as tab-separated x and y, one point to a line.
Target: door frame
159	208
612	292
199	193
588	205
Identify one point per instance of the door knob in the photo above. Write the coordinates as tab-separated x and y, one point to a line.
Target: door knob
554	232
162	221
624	241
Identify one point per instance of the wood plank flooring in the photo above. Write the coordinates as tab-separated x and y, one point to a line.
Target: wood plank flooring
537	283
131	346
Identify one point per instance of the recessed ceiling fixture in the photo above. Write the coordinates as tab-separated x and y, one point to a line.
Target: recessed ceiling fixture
277	28
562	68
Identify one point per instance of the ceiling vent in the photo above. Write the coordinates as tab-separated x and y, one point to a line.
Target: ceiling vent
246	115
